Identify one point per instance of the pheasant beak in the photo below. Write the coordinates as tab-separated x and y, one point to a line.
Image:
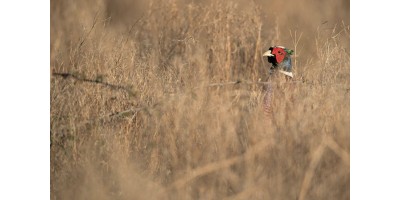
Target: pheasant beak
268	53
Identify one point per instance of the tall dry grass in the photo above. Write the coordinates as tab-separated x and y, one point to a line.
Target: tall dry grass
162	100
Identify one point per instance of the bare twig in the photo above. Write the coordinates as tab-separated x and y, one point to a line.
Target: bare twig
84	38
246	82
295	41
257	49
96	81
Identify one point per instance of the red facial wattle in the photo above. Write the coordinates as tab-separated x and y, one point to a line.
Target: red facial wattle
279	54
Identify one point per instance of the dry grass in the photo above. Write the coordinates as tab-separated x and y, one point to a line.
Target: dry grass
161	100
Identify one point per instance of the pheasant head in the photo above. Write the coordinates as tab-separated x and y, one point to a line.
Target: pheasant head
279	57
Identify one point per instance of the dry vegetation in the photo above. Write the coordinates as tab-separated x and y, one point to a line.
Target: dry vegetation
162	100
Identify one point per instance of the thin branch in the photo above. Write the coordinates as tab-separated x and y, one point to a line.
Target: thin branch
84	38
96	81
246	82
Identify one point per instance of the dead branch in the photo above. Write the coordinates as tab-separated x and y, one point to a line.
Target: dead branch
95	81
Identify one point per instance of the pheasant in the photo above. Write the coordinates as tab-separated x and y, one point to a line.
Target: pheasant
279	57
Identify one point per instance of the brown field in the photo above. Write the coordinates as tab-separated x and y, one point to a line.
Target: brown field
162	100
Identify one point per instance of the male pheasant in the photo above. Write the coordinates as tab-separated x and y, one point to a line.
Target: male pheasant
279	57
